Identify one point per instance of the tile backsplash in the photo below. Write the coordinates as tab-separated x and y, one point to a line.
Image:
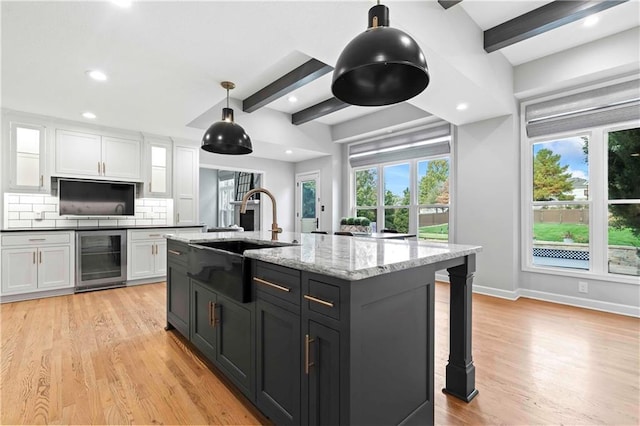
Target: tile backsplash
41	211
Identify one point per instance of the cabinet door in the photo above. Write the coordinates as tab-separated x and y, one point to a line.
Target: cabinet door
27	154
142	259
322	378
78	153
234	343
161	258
121	158
178	289
159	155
53	267
278	372
185	183
19	270
204	319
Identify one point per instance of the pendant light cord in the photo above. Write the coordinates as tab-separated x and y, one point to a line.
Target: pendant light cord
227	97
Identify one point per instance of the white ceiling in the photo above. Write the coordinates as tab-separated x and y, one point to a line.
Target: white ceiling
165	60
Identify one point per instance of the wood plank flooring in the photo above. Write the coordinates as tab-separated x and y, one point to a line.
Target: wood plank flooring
104	358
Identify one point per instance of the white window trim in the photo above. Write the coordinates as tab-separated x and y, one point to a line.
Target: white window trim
598	203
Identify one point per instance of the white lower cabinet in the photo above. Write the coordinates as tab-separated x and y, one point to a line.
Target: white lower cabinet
147	253
36	262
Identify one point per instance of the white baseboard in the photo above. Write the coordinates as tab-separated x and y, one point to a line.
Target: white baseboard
146	281
497	292
614	308
580	302
8	298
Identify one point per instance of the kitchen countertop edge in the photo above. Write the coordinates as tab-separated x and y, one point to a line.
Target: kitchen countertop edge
348	258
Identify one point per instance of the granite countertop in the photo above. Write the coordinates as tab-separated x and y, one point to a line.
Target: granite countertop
98	228
349	258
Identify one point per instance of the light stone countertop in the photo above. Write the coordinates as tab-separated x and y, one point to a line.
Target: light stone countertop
349	258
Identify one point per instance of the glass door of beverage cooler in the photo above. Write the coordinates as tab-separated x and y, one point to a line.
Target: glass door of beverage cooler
101	259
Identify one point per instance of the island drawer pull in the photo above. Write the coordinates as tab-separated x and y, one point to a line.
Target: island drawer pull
37	239
276	286
154	235
320	301
177	253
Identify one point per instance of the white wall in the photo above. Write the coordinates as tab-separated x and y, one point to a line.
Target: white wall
486	204
208	197
279	178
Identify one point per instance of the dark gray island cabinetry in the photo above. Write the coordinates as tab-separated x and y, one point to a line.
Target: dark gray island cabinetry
338	330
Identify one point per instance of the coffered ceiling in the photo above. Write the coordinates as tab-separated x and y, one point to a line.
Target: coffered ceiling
165	61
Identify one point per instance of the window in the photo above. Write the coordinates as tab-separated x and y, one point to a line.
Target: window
623	204
582	183
225	208
560	209
433	199
401	182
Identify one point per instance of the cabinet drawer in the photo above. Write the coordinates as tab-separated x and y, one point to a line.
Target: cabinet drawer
177	253
36	239
323	298
150	234
278	281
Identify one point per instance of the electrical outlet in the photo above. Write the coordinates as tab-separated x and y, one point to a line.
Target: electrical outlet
583	287
38	215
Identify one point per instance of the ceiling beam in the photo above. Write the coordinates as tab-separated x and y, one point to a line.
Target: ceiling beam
542	19
318	110
448	3
289	82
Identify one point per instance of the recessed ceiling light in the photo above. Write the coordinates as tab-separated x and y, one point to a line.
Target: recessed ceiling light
89	115
462	107
591	20
293	99
97	75
122	3
288	152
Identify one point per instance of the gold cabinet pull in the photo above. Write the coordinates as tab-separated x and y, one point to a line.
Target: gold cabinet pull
104	169
39	257
34	257
213	319
320	301
216	320
177	253
150	187
37	239
276	286
41	180
307	364
154	235
99	167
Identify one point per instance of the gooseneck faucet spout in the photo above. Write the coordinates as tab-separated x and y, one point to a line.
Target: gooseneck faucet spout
274	226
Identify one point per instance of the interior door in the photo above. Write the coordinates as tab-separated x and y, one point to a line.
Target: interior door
308	202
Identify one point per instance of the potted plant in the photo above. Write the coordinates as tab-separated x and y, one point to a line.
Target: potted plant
343	221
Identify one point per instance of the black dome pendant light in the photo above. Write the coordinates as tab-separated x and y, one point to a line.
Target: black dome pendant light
381	66
227	137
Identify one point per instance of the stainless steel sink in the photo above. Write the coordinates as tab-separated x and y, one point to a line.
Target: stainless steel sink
222	266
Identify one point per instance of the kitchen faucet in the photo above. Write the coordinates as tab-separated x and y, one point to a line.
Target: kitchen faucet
274	226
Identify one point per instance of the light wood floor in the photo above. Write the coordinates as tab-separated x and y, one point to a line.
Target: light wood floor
104	358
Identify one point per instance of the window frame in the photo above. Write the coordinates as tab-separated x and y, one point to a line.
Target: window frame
413	189
597	201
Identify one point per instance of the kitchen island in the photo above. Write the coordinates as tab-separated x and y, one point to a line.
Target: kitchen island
334	330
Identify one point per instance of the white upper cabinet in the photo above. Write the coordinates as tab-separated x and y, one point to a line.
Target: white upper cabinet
27	158
158	160
185	184
88	155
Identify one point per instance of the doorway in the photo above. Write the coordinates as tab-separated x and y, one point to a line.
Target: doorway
307	202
